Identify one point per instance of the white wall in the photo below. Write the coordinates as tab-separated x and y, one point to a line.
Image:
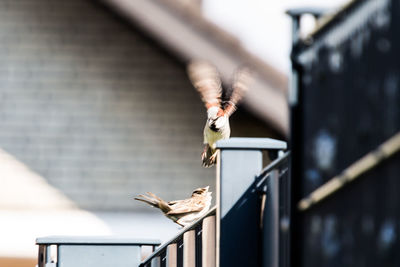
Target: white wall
261	25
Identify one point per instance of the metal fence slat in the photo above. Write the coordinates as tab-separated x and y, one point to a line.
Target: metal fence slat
208	249
156	262
189	246
172	255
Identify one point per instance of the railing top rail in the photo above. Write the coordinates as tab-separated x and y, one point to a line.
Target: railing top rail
98	240
273	165
160	249
251	143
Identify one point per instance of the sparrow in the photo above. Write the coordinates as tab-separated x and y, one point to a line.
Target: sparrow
182	212
206	79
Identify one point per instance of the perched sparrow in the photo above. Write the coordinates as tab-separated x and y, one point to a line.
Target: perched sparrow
206	79
182	212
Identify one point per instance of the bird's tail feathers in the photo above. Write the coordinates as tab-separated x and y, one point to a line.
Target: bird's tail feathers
147	200
154	201
154	196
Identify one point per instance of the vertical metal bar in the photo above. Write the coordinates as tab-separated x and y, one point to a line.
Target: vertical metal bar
296	144
156	262
208	242
199	245
293	79
163	258
172	255
218	212
48	253
189	249
284	216
295	29
41	255
179	254
271	222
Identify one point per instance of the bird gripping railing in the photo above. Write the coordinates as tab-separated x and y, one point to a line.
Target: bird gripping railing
245	227
194	245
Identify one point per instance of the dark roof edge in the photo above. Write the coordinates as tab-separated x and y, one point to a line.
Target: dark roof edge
187	35
193	18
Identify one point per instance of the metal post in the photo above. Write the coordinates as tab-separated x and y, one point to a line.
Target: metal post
296	124
238	215
41	256
296	14
271	222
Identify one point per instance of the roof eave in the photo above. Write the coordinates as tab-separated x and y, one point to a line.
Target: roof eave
189	36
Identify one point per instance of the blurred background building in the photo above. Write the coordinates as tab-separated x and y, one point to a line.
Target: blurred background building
95	107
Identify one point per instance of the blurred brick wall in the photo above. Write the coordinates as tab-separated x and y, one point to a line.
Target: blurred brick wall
97	109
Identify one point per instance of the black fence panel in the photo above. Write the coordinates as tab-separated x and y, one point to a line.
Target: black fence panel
348	104
359	225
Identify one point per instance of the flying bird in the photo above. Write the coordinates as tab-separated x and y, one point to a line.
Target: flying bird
182	212
206	79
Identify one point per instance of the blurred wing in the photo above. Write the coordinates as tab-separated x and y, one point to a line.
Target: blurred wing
241	83
186	206
205	78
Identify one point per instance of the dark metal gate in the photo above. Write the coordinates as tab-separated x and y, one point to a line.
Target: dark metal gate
345	101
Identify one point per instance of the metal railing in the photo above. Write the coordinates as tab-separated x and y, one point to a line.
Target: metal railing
250	205
87	251
274	185
193	246
249	227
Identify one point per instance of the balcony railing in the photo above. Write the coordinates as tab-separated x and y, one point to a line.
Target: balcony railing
248	227
251	225
89	251
194	245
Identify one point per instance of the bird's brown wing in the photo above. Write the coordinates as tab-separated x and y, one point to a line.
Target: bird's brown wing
187	206
241	83
173	202
206	79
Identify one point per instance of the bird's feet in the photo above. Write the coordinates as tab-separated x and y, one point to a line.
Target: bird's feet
204	154
213	158
208	157
209	161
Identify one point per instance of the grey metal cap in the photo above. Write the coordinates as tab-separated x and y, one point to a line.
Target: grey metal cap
98	240
251	143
